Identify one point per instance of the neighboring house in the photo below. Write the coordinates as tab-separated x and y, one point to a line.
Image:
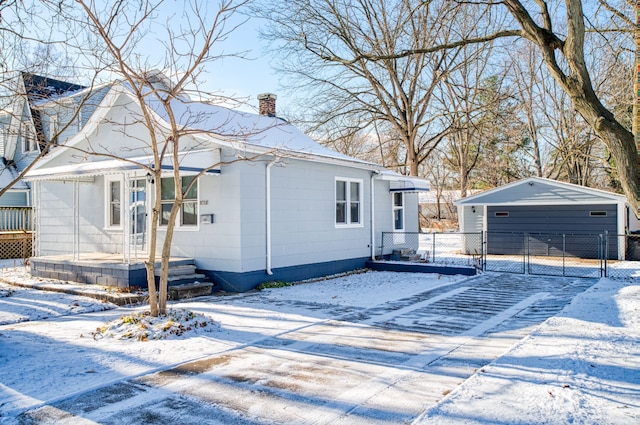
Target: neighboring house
545	207
438	205
34	109
272	205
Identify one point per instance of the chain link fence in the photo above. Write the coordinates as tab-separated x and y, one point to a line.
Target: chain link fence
570	255
442	248
627	247
565	255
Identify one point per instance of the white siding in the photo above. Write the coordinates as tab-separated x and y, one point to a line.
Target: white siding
57	217
302	217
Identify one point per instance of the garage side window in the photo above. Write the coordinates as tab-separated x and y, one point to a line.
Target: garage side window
348	203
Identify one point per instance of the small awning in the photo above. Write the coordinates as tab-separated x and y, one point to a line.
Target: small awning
400	183
189	162
407	186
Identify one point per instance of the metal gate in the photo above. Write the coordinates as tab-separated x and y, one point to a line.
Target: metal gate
547	254
551	254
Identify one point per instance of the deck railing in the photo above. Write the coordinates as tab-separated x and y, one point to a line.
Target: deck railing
16	219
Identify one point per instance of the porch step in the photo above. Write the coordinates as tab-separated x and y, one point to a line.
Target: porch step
189	290
185	278
405	255
179	270
184	281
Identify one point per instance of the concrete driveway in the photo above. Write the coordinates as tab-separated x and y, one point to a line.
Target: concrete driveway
381	365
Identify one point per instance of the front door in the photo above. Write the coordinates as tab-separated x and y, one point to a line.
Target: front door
138	214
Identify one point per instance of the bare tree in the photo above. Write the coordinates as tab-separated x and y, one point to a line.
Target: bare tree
528	79
475	100
562	50
564	57
25	52
324	45
107	37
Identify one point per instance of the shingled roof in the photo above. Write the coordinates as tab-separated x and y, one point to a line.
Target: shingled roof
39	87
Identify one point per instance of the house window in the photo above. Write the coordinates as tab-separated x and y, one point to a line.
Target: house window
189	209
53	128
398	211
114	203
27	137
597	213
501	213
3	139
348	202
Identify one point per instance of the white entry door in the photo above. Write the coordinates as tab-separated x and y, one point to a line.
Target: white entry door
138	214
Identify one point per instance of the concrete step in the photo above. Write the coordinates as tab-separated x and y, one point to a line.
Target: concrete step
189	290
186	277
183	269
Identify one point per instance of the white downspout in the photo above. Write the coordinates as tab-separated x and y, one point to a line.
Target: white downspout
35	218
373	221
76	220
268	214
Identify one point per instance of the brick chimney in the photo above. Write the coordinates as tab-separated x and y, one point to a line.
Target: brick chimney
267	104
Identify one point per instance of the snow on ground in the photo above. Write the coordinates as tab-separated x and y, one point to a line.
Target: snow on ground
582	366
44	360
19	304
360	289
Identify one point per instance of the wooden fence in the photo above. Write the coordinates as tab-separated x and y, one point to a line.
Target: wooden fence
16	245
16	235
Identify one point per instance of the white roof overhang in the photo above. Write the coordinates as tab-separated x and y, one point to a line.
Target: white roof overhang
595	196
193	162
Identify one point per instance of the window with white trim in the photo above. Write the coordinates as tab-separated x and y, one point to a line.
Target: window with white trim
53	128
3	139
114	203
27	137
189	209
348	202
398	211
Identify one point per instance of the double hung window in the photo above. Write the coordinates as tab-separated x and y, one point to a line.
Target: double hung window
27	137
115	203
398	211
189	209
348	203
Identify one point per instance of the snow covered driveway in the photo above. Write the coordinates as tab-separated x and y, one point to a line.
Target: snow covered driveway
322	353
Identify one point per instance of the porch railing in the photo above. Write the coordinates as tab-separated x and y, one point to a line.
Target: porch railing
16	219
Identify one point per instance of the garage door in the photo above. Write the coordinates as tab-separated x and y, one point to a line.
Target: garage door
546	225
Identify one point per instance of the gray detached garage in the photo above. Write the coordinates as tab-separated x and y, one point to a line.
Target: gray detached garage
557	218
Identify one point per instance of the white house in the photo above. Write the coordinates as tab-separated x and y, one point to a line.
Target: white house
35	110
271	203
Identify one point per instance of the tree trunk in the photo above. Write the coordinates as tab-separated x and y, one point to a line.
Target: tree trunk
575	80
412	159
151	259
